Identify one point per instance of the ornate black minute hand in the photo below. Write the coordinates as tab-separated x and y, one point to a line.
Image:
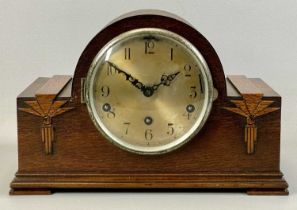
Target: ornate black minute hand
165	80
146	90
135	82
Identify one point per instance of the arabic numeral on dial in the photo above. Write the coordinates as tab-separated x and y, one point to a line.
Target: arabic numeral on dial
111	114
171	54
148	134
149	46
111	70
127	125
170	129
188	70
127	54
187	115
105	91
193	93
201	86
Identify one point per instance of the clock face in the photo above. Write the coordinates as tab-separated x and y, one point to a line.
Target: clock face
149	91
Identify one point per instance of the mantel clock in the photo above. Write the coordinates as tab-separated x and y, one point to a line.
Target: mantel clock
149	107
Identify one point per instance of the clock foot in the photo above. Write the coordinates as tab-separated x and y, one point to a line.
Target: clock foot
268	191
30	192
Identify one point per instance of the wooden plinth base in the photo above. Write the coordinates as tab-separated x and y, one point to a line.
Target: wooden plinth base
253	184
268	192
28	191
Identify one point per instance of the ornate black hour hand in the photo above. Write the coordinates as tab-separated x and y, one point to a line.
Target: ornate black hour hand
165	80
135	82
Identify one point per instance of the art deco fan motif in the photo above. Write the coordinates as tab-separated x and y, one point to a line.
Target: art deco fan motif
251	107
46	108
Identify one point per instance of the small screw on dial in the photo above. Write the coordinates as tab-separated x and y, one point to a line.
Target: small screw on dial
106	107
190	108
148	120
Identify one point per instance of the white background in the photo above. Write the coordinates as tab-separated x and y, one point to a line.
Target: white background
43	38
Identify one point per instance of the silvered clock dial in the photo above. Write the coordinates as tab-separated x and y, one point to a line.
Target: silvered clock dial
149	91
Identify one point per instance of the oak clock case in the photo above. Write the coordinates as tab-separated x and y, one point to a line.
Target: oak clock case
149	107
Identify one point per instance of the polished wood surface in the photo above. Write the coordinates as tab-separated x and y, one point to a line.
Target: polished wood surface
251	106
47	106
215	158
243	85
53	86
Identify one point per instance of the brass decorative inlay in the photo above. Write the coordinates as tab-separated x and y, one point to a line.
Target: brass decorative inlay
251	107
47	108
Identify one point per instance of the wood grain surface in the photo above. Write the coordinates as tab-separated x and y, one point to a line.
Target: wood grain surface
215	158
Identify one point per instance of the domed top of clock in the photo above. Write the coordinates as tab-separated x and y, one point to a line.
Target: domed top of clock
143	19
